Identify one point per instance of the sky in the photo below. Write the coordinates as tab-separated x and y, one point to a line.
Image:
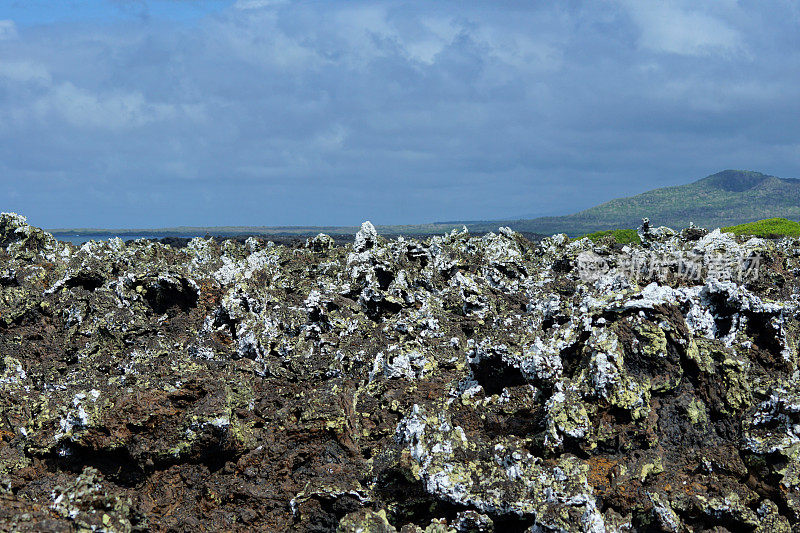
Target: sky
124	113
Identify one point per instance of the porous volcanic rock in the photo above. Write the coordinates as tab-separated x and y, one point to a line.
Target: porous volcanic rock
460	384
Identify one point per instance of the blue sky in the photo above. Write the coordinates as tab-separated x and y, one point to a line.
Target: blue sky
38	12
131	113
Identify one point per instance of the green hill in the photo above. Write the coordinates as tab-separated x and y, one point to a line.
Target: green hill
727	198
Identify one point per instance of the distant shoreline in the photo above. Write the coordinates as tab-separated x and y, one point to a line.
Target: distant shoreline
215	231
182	238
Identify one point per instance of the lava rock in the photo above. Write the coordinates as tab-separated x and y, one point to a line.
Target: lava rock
456	383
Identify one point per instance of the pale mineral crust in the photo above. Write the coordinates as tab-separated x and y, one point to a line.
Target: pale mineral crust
455	384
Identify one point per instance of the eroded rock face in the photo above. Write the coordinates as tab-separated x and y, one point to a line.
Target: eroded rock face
460	384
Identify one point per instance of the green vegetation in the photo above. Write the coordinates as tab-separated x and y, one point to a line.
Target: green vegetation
768	228
622	236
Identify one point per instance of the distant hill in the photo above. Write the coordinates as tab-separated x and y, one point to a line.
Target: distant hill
723	199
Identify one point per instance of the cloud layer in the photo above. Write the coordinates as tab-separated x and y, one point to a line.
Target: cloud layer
279	112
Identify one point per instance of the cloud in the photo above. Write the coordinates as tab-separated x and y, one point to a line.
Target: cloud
84	109
331	112
674	28
78	107
257	4
24	71
8	30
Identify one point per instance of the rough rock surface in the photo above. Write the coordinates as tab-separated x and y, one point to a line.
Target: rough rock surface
459	384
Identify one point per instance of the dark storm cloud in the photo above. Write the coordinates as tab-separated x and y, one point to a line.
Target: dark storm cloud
270	112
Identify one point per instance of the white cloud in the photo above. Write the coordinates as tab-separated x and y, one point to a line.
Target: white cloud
84	109
435	34
332	139
24	71
256	39
257	4
669	27
8	30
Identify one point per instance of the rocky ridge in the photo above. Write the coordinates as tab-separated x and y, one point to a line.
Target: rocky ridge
459	384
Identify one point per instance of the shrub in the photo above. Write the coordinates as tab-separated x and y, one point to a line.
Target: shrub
622	236
768	228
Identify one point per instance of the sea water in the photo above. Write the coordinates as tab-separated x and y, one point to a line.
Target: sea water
80	239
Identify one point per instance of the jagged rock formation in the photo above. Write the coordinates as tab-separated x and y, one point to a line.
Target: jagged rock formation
458	384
